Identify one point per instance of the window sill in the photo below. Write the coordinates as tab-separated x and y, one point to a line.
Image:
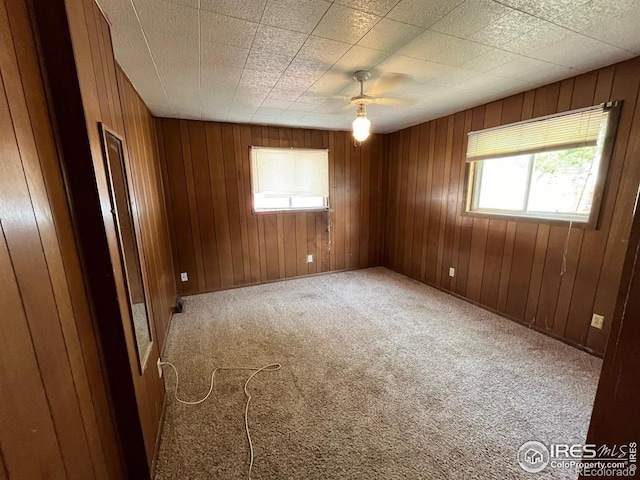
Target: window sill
291	210
510	217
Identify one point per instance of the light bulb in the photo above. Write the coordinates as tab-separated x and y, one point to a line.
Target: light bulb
361	126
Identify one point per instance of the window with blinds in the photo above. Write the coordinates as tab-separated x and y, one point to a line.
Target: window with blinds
550	168
289	179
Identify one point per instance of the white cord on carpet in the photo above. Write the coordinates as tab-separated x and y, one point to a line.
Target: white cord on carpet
272	367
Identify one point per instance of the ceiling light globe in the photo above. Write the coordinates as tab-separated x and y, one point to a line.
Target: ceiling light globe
361	126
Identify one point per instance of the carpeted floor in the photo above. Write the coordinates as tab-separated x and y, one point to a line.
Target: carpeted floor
382	378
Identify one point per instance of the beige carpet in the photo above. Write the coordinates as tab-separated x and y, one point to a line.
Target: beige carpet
382	378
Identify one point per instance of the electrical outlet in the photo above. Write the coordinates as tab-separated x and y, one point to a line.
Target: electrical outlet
310	258
184	277
452	272
159	368
597	321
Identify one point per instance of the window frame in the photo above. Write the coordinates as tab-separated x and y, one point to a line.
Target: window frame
474	168
326	200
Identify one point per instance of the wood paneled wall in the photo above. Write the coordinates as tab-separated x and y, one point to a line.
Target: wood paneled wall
55	419
85	89
217	239
139	129
615	419
108	98
513	267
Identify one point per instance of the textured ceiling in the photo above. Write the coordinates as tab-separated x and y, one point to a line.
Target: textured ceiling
290	62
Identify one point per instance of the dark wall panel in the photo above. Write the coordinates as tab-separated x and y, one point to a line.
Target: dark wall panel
509	266
55	420
217	239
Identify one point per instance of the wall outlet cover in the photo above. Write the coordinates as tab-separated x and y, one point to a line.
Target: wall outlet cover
310	258
159	368
184	277
597	321
452	272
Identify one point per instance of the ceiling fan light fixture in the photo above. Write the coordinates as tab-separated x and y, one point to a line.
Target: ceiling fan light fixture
361	125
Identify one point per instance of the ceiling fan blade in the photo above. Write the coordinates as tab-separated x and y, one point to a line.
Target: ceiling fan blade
395	101
390	81
334	106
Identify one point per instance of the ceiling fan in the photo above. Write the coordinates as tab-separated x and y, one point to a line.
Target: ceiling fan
362	125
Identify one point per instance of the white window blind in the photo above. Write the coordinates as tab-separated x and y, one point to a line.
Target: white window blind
575	129
289	173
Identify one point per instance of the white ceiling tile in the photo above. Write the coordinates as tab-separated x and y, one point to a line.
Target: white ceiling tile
377	7
421	13
389	35
291	116
546	9
453	76
215	28
399	71
245	9
294	84
543	34
296	15
620	31
580	53
330	83
245	72
280	94
226	55
275	103
323	50
220	78
303	67
171	18
278	40
490	84
268	112
345	24
531	70
249	98
360	58
238	117
174	54
311	99
186	3
302	107
593	13
134	57
259	60
187	113
243	109
492	59
336	106
440	48
470	17
119	13
184	94
259	78
506	29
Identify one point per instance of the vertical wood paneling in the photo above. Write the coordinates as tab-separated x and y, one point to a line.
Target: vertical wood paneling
55	420
514	267
254	248
139	129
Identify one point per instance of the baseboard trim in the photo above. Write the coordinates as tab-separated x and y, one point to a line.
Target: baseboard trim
502	314
277	280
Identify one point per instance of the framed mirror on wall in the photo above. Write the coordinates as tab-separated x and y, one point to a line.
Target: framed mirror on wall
123	208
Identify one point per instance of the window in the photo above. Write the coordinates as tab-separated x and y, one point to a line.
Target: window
289	179
550	168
